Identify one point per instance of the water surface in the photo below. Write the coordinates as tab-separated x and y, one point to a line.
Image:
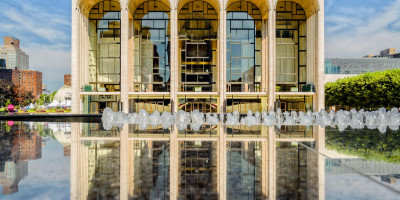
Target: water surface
58	160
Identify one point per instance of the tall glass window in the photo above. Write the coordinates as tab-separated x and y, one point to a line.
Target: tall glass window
243	47
151	49
198	28
105	47
291	50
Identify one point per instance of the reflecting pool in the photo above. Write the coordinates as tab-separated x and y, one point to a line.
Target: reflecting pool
58	160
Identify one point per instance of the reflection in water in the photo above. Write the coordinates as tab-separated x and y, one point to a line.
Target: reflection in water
216	162
296	171
244	170
103	169
197	170
150	168
21	142
220	162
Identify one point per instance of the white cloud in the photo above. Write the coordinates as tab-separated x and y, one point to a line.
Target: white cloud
34	20
52	61
355	32
45	36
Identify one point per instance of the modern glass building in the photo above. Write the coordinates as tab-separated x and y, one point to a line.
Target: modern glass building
359	65
210	55
12	56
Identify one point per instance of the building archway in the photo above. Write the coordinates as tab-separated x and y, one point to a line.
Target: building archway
310	7
214	4
244	46
151	23
86	6
291	47
262	5
198	47
134	4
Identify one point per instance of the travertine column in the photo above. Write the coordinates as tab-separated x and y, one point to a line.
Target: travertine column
320	147
272	59
74	160
271	163
222	163
174	58
124	58
222	59
173	164
264	56
131	44
264	161
75	52
320	104
124	168
311	49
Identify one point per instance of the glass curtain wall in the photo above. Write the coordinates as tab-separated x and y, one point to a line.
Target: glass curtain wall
291	50
243	47
198	28
151	49
105	47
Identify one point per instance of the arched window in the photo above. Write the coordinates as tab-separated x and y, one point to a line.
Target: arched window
105	47
243	47
198	28
291	50
151	49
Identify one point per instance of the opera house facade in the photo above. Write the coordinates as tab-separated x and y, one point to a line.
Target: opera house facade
210	55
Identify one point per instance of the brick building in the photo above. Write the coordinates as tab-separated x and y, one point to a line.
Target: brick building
67	79
24	80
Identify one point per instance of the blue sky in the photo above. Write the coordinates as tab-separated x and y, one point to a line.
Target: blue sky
44	28
353	28
48	177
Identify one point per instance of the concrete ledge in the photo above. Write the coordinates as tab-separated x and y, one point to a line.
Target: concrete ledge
85	118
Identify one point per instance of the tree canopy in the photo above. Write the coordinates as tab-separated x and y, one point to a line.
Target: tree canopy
369	91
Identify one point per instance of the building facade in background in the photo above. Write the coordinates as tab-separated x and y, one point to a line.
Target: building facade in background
24	80
67	79
14	57
336	68
212	56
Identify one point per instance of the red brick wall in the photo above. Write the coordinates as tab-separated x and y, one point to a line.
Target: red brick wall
67	79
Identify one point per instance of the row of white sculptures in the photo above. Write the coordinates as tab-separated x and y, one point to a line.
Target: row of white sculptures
355	119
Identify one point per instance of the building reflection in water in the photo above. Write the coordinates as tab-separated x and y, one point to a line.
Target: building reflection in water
20	142
217	162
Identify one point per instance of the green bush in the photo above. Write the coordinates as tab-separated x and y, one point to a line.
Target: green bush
368	91
365	143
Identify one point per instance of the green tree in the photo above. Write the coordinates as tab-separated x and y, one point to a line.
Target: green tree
368	91
6	92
